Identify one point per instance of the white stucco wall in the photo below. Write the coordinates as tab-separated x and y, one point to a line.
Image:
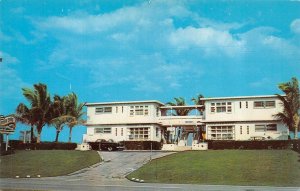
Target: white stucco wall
121	116
241	133
243	113
116	133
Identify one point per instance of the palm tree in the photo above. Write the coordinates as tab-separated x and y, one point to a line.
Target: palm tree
179	112
40	102
179	102
75	112
198	101
58	114
25	115
291	105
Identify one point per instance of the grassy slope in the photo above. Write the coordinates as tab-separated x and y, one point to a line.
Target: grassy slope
231	167
46	163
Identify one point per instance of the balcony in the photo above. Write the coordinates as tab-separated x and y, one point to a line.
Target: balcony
180	120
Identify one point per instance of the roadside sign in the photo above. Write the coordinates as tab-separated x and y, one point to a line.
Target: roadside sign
7	125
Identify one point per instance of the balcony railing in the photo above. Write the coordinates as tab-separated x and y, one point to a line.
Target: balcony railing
180	120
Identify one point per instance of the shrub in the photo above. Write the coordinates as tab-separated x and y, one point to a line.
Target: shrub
142	145
270	144
19	145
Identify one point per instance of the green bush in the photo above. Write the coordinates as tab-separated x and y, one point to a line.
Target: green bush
270	144
19	145
142	145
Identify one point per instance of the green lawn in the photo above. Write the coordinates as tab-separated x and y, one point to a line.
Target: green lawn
225	167
46	162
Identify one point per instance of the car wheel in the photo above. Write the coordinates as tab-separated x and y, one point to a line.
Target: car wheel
109	148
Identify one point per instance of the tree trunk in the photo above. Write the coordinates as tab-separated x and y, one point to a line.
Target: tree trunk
70	134
38	139
57	135
31	134
1	142
296	120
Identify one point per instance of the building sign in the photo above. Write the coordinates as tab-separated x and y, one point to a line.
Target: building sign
7	125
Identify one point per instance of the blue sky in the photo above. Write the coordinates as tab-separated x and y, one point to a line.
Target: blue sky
139	50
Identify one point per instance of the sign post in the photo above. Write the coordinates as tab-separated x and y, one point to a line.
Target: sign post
7	126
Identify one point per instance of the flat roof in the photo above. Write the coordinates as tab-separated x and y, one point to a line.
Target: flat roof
124	102
182	106
240	97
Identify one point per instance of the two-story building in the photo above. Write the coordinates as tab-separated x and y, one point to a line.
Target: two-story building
243	118
220	118
122	121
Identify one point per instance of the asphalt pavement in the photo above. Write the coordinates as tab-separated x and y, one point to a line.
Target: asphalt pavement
110	175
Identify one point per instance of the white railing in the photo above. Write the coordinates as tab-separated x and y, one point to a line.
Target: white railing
180	120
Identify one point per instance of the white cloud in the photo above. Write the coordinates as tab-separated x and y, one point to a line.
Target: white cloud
17	10
4	37
211	41
10	81
282	46
295	26
142	47
264	82
8	59
264	40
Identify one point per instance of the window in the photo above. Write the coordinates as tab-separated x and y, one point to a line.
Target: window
271	127
107	109
212	109
270	104
265	127
229	110
260	128
241	130
146	112
139	110
248	130
258	104
100	110
122	109
221	107
240	104
264	104
105	130
157	132
220	132
246	104
139	133
131	111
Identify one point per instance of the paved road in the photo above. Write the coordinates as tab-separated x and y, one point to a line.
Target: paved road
110	174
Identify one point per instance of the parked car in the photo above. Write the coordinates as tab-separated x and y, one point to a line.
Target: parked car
104	145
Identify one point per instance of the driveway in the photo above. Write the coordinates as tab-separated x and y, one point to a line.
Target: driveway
117	165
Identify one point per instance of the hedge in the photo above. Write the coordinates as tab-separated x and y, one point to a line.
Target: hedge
19	145
270	144
142	145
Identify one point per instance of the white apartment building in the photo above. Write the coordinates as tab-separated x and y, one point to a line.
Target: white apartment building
220	118
244	118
